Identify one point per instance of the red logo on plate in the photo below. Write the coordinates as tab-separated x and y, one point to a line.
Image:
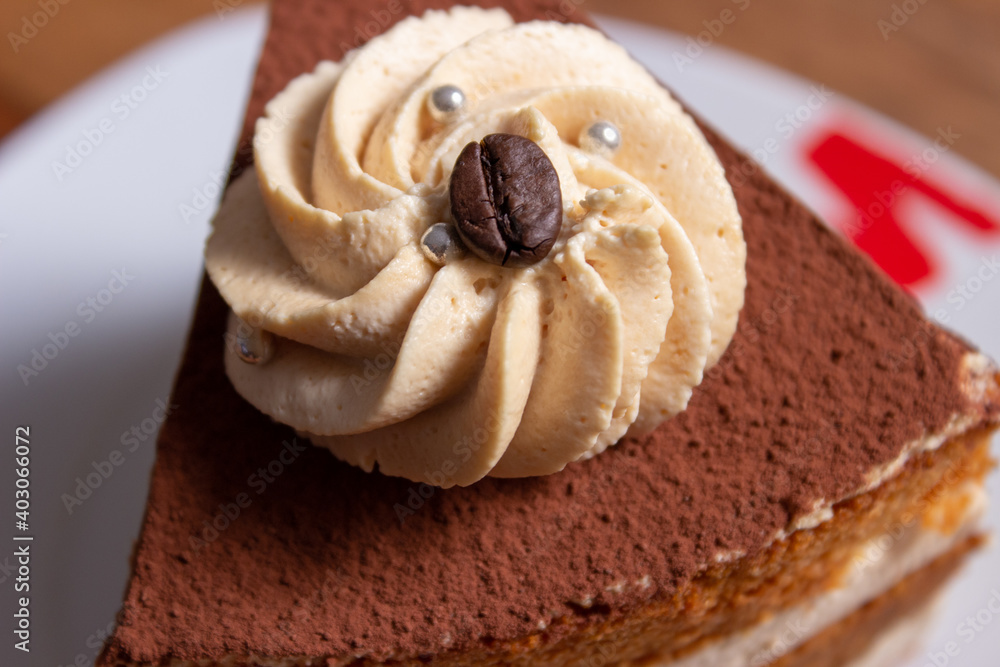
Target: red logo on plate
875	185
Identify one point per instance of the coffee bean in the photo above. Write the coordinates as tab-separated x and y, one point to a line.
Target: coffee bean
506	200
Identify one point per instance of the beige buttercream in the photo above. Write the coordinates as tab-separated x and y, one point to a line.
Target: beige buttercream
446	374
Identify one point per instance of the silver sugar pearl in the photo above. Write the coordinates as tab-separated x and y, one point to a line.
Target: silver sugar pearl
441	244
445	102
601	137
252	345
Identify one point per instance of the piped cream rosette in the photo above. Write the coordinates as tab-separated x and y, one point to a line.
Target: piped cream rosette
446	374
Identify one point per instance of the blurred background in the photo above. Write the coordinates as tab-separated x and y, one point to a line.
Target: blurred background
942	69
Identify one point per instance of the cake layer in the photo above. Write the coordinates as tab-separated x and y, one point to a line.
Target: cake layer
876	566
886	629
883	632
256	544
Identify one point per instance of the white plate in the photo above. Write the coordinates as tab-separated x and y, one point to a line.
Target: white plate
122	208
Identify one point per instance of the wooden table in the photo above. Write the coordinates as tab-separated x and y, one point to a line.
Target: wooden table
927	63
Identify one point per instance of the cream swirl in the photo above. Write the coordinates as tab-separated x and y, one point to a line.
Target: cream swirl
447	374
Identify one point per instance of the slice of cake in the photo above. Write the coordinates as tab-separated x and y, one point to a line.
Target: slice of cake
803	507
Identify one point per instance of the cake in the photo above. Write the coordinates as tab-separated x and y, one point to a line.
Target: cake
820	486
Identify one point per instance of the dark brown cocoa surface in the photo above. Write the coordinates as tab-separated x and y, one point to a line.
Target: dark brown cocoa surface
832	370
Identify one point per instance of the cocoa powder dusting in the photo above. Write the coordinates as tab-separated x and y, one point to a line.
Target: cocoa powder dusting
818	386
